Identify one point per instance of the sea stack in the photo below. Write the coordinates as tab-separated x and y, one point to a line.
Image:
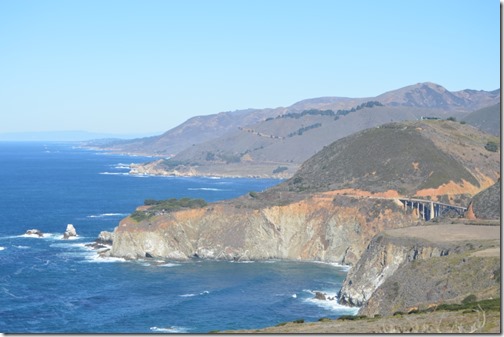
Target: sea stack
35	232
70	232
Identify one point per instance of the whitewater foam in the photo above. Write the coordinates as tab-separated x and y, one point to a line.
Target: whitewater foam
169	265
332	305
343	267
171	329
115	173
2	248
206	292
105	215
206	189
95	258
122	166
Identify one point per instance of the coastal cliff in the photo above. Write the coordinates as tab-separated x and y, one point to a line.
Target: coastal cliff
458	259
322	226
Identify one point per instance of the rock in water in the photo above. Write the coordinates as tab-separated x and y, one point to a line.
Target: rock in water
105	238
320	296
34	232
70	232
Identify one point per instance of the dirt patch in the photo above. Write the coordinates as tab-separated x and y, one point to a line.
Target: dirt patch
362	193
493	251
448	233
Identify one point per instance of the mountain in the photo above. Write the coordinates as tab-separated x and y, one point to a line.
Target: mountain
194	131
431	95
277	145
487	119
228	136
442	160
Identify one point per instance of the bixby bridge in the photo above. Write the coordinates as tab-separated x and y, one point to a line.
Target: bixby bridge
427	209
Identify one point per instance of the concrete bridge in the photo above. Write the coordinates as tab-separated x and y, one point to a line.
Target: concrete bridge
427	209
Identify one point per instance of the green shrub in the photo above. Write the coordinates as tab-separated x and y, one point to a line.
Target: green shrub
166	206
253	194
469	299
324	319
280	169
492	146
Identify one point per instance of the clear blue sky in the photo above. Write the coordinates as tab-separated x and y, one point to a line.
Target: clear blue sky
143	66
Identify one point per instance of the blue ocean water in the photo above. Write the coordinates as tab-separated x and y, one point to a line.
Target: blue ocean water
51	285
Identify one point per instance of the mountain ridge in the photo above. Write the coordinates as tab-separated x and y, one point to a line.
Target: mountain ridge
415	101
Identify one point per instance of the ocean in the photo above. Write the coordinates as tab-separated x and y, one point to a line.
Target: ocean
51	285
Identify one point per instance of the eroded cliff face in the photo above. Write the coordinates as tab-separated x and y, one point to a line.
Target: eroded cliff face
382	257
392	274
321	227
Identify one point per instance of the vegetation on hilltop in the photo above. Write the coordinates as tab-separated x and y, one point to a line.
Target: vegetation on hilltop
157	207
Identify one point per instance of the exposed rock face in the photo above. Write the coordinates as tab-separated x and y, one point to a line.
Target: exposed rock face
392	250
34	232
423	284
321	227
69	232
383	256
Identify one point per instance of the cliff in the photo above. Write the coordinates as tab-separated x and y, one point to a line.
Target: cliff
321	226
408	268
336	202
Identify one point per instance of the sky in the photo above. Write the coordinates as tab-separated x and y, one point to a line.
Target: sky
147	66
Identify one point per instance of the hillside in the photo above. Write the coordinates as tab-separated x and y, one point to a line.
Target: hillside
443	160
225	130
487	119
194	131
487	203
342	207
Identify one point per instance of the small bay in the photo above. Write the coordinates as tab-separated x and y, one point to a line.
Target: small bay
51	285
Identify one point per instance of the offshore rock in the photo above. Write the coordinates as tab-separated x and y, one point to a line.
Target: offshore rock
69	232
105	238
35	232
322	227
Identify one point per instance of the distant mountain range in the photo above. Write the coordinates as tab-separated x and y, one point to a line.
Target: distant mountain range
274	142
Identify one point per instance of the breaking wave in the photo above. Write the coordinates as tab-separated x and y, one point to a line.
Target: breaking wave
331	303
171	329
206	189
105	215
206	292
